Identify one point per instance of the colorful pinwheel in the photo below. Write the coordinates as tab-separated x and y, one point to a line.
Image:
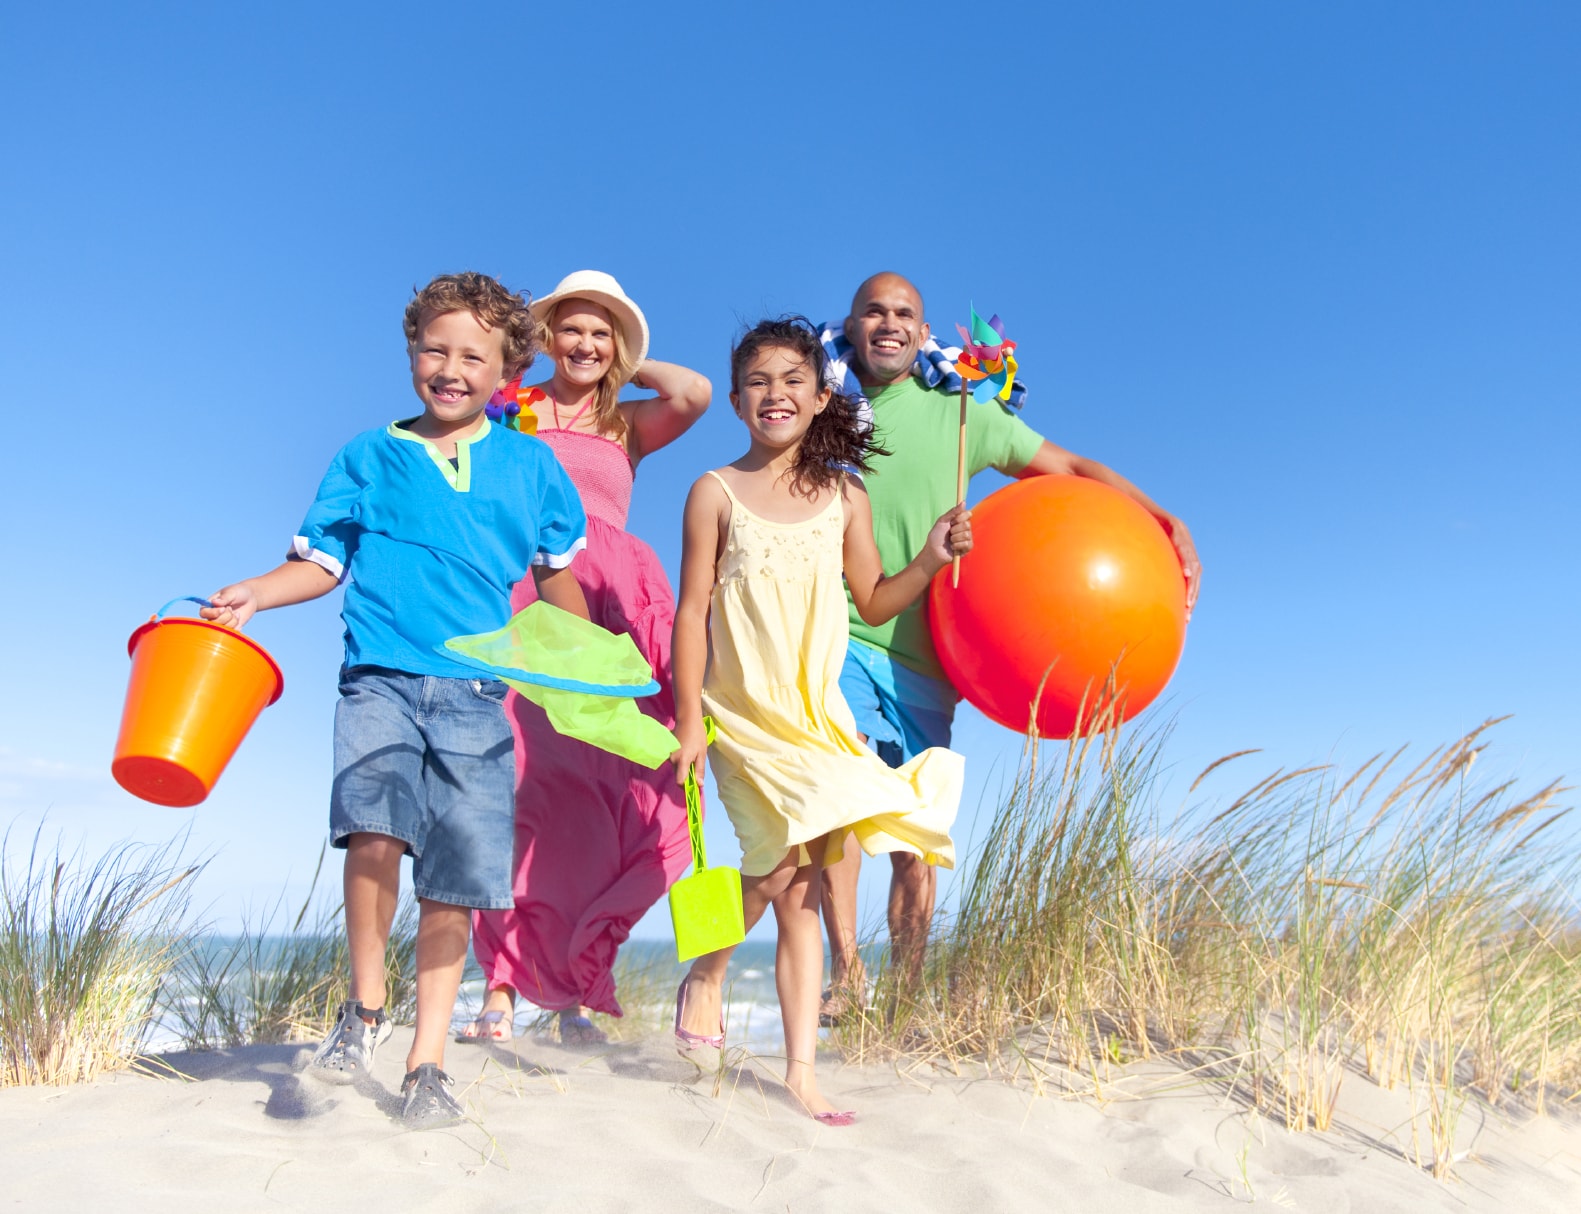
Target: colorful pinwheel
512	408
987	360
987	367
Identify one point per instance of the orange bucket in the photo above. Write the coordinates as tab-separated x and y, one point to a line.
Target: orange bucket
195	691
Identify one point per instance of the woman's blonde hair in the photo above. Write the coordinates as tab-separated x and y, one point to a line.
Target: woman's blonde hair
607	417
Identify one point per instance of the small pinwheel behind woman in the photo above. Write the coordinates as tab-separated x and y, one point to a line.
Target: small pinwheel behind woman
599	839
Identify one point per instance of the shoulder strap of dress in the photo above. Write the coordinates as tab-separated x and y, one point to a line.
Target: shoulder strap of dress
577	416
537	394
722	485
839	494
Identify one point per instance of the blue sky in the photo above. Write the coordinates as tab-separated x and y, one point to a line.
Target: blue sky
1310	275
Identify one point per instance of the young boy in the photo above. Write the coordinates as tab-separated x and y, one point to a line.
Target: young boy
433	519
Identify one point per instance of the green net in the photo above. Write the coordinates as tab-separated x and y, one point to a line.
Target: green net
586	679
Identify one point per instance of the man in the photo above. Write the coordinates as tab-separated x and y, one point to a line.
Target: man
892	677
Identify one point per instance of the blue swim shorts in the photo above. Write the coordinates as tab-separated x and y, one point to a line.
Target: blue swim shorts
429	761
901	711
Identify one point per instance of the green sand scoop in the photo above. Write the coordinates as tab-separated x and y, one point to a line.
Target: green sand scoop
705	908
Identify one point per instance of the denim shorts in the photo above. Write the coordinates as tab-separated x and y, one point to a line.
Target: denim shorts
902	711
429	761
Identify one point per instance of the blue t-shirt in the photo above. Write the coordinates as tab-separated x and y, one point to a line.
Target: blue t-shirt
431	549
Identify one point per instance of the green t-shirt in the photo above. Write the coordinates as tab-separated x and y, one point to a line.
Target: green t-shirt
915	483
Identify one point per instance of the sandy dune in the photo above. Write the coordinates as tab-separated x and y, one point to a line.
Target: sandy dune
635	1127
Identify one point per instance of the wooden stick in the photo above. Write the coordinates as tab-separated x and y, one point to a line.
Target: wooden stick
960	481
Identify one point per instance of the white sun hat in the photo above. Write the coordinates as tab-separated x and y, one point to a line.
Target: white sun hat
600	288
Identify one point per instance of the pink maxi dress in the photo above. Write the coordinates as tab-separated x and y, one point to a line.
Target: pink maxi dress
598	838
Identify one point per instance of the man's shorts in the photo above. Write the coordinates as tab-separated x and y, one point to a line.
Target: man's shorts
901	711
429	761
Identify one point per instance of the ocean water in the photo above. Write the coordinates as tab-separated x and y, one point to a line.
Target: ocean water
649	968
647	975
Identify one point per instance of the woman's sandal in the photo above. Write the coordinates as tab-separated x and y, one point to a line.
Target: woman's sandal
687	1041
846	1118
489	1026
577	1029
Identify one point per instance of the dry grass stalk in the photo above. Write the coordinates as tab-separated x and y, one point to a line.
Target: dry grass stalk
267	987
84	948
1424	929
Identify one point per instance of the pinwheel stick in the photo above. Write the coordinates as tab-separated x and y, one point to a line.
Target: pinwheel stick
960	480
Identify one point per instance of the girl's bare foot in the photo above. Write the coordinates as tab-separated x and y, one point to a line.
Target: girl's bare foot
699	1016
803	1086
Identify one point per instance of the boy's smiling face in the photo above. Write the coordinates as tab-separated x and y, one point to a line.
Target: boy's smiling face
457	364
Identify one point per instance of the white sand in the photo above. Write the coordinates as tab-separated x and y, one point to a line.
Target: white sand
634	1127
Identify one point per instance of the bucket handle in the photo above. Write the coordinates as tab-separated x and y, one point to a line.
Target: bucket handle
186	598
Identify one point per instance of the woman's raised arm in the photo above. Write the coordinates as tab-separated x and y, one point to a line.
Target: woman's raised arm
683	397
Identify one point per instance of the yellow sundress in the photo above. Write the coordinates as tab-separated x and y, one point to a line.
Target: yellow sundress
788	761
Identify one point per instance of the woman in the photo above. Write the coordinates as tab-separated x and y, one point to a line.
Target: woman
599	838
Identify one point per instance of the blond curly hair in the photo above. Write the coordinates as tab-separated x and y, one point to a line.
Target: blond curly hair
490	304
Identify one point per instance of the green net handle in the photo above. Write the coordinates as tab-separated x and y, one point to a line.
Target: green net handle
694	802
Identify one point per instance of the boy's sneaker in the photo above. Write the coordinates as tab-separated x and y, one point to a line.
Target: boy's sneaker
347	1053
428	1101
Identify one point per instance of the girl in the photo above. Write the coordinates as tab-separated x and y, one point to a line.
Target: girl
598	838
766	540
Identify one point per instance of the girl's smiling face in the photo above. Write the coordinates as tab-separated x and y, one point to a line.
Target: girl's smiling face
778	396
582	342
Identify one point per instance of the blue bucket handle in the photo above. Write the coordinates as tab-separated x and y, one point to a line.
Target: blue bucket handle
186	598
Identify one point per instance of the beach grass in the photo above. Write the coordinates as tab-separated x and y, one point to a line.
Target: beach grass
267	986
85	947
1412	920
1406	919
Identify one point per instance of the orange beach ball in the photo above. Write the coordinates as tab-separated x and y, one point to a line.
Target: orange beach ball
1070	577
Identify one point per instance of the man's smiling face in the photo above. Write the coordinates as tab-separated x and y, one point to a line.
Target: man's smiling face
885	329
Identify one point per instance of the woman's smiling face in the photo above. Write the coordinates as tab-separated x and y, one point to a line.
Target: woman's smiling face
582	342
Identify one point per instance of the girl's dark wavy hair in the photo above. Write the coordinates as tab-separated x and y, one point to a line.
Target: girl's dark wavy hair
837	439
